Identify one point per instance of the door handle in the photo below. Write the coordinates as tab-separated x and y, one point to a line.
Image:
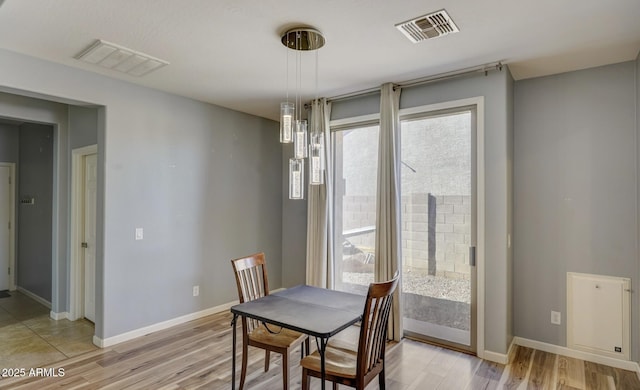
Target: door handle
84	245
472	256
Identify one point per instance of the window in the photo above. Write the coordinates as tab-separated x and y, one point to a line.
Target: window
355	164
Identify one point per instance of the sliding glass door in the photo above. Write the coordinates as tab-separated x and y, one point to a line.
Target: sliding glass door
438	226
438	221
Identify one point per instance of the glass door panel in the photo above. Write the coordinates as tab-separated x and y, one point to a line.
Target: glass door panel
355	153
438	227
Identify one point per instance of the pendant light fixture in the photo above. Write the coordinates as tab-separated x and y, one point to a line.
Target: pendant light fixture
292	127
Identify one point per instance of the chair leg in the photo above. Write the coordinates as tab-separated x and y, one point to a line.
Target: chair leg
381	381
243	372
285	370
305	379
267	360
335	386
304	349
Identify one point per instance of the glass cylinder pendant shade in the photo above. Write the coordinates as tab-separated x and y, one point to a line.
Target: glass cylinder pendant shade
316	159
296	178
300	140
287	111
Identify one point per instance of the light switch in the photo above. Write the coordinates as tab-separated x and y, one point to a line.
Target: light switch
556	317
139	234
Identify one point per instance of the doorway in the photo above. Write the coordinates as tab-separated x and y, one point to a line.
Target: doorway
7	226
83	221
439	230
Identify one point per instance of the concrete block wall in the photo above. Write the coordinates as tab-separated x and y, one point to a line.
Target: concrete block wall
452	225
452	228
360	211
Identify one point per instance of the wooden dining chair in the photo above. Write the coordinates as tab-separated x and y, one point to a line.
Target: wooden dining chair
352	368
252	283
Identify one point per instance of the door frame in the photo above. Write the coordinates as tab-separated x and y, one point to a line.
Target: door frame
12	221
478	102
76	279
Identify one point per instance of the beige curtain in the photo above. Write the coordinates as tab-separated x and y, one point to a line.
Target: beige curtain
320	207
388	244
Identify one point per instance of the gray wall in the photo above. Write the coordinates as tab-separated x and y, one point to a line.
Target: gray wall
204	182
83	126
635	303
9	143
34	221
294	228
575	191
356	106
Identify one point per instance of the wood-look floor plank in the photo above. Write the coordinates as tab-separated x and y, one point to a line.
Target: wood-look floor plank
74	366
519	368
67	383
570	373
595	380
487	376
567	387
628	380
406	361
542	371
621	379
169	373
602	370
461	373
141	365
426	380
443	363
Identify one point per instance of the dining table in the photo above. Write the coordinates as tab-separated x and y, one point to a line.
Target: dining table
317	312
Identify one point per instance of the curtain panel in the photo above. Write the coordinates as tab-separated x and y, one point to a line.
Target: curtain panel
388	243
320	207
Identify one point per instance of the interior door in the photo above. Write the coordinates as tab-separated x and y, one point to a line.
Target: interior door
5	229
89	241
439	226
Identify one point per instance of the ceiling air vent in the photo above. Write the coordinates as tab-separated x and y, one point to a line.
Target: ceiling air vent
428	26
115	57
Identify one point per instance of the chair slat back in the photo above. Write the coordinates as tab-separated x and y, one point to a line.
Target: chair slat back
373	331
251	280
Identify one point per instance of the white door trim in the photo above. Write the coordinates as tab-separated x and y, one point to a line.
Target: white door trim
12	221
478	102
76	301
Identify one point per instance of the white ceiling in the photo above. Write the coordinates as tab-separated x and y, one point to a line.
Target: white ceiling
228	52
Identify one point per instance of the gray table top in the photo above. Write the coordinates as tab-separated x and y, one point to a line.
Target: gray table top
311	310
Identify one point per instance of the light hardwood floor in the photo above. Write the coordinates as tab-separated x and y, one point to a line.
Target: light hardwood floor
197	355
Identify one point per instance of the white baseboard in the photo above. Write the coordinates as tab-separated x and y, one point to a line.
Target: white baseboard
496	357
35	297
103	343
58	316
591	357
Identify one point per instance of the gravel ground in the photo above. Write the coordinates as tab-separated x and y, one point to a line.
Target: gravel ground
458	290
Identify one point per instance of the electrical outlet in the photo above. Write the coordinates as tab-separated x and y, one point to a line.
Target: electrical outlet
556	317
139	233
196	291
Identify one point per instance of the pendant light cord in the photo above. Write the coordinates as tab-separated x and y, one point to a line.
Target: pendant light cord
286	48
299	75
